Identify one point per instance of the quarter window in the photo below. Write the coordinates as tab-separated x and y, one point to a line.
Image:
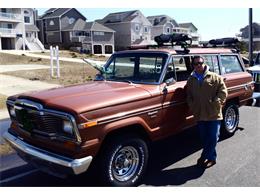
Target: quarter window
230	64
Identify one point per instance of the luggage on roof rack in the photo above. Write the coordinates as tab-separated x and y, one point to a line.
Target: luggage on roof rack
224	41
183	40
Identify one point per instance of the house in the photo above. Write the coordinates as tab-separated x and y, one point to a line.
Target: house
18	30
131	28
68	28
162	24
89	37
191	29
52	23
244	34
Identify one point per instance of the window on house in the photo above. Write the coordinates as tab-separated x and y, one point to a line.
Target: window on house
71	20
51	23
98	33
26	19
26	12
146	29
168	30
4	10
137	27
87	34
9	26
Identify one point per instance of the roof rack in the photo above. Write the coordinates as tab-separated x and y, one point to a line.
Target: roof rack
228	42
170	40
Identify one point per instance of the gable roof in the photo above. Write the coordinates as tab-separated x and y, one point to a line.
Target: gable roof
187	25
161	20
81	25
120	17
57	12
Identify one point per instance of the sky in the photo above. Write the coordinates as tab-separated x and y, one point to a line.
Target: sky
211	22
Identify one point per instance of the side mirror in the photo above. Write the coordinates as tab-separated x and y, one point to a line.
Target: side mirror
99	77
170	81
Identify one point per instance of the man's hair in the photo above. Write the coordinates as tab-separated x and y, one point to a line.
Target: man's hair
196	57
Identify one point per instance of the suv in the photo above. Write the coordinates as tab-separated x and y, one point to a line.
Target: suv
139	97
255	72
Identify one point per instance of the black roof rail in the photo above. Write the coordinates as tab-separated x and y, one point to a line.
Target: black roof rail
228	42
169	40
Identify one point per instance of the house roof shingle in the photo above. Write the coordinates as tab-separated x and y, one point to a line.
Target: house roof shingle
119	17
57	12
81	25
187	25
31	27
161	20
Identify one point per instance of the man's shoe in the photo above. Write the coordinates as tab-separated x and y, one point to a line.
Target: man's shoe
209	163
201	161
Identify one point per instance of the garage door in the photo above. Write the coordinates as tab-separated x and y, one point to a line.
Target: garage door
108	49
97	49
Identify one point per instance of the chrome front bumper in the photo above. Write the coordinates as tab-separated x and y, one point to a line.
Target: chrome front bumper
33	154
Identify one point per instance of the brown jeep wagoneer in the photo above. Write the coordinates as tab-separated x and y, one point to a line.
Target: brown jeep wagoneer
138	97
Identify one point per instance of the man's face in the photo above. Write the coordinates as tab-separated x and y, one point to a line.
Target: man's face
198	65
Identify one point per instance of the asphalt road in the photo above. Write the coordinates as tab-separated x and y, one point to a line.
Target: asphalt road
172	162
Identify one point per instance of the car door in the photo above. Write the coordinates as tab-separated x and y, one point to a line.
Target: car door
174	104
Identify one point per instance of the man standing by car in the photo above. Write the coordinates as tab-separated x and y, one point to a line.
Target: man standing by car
206	93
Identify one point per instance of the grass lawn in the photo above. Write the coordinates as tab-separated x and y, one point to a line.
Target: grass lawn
2	101
71	73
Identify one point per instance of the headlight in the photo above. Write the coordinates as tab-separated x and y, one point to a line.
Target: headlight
12	111
68	127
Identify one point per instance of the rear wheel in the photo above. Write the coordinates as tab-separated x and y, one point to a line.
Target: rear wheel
124	161
230	120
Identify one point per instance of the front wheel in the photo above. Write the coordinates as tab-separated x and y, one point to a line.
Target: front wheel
124	161
230	120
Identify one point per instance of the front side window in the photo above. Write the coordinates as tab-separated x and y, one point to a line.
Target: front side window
230	64
136	68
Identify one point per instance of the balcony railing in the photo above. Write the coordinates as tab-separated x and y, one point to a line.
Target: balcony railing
7	31
78	39
10	16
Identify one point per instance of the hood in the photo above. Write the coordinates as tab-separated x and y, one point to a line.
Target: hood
86	97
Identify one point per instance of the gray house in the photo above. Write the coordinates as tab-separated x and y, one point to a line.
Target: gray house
131	28
244	34
162	24
90	37
52	23
18	30
190	29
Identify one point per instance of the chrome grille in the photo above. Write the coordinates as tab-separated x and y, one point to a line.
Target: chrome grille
41	122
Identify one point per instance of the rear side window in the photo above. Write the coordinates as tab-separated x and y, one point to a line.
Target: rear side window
230	64
212	62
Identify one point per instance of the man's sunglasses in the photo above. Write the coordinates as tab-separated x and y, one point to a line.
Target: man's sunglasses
198	63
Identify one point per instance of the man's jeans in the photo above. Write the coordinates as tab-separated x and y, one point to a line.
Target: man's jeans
209	134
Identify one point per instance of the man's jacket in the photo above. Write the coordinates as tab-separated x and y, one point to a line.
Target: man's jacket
206	98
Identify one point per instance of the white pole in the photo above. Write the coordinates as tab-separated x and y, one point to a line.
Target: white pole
57	61
51	57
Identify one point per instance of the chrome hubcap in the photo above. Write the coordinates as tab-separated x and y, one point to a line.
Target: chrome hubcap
125	163
230	119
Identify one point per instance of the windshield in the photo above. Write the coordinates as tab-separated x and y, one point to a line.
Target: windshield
136	67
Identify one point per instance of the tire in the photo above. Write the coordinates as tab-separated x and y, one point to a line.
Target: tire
230	120
123	161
